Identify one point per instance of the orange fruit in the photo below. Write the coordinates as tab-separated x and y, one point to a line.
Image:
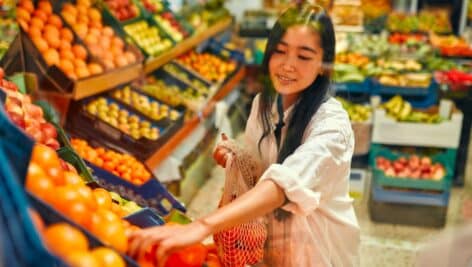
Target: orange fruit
94	14
107	31
40	14
55	20
79	52
78	63
41	44
82	11
121	61
56	174
117	42
52	39
85	3
41	186
52	57
27	5
82	72
95	32
72	178
82	259
45	6
102	198
64	197
87	197
78	212
35	32
83	19
66	35
109	64
81	29
65	46
66	65
63	239
116	51
91	39
95	69
51	30
108	257
36	22
23	14
96	25
96	50
67	54
69	18
45	157
69	8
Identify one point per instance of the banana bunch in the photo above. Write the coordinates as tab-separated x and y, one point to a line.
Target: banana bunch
401	110
357	112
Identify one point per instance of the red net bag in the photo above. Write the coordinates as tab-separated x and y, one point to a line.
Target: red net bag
243	244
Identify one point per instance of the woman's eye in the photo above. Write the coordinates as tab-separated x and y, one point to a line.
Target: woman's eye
304	58
278	51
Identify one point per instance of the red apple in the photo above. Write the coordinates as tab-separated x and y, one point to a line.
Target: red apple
398	166
49	130
425	161
52	143
390	172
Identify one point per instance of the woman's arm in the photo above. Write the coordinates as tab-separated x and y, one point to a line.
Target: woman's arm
260	200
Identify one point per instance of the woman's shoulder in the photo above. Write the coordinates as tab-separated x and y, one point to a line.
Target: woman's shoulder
331	116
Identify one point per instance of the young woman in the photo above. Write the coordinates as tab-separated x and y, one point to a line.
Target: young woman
305	143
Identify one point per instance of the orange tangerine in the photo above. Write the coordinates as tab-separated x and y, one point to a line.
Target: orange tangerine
36	22
66	35
79	52
40	14
41	44
51	56
55	20
66	65
67	54
45	6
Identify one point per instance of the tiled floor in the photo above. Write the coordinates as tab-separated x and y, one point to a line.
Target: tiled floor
381	244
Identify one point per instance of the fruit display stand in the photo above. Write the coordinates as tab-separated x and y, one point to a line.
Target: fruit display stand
444	134
151	64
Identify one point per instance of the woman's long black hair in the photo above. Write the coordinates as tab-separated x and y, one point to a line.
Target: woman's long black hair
314	95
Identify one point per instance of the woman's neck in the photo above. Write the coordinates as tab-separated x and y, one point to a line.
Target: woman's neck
289	100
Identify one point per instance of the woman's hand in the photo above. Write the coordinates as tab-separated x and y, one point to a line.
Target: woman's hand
221	153
167	239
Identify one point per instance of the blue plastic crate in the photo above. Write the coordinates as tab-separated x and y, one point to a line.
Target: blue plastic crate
418	97
150	194
353	87
145	218
381	194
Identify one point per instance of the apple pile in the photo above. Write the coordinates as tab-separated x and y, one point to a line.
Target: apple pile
171	25
27	115
153	6
101	40
123	9
414	167
54	40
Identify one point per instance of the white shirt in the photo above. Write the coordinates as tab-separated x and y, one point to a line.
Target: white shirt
323	229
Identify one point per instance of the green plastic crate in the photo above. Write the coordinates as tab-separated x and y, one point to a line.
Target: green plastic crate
447	159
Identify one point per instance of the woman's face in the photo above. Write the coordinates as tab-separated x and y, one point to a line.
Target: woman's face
296	61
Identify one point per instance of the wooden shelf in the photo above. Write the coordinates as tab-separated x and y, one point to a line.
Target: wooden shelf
154	63
188	127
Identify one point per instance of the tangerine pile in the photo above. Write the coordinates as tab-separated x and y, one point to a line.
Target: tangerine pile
55	41
209	66
71	245
67	193
101	40
121	165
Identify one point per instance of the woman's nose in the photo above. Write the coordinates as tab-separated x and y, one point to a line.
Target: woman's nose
288	66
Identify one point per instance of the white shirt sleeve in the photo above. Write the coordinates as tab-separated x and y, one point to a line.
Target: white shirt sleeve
310	176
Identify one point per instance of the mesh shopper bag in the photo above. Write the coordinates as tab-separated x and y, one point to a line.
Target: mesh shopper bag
243	244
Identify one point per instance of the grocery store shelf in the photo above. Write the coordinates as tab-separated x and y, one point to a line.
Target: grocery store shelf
154	63
106	81
165	150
